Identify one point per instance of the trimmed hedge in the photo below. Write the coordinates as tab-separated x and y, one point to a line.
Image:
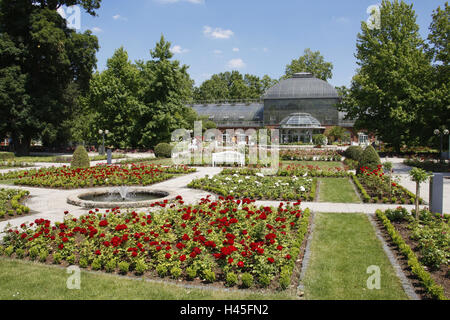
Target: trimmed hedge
354	153
6	156
286	272
369	159
435	290
80	158
364	194
163	150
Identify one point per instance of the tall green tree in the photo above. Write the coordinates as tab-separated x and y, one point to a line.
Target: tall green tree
436	114
233	86
165	88
114	99
310	61
43	66
393	78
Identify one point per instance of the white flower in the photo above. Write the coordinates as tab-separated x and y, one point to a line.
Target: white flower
259	174
306	174
240	181
235	175
302	188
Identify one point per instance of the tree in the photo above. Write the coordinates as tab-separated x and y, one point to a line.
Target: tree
43	67
310	61
436	114
114	99
391	84
337	133
165	88
418	176
233	85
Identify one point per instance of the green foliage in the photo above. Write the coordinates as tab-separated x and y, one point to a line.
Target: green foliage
80	158
436	291
354	153
369	158
176	272
57	257
337	133
398	214
9	251
310	61
191	272
43	254
247	280
141	267
6	156
161	270
209	275
264	280
124	267
44	67
392	86
111	265
228	86
163	150
319	139
33	252
84	263
96	264
231	279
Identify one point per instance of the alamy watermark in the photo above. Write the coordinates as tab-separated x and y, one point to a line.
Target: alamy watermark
74	280
72	15
233	146
374	281
374	21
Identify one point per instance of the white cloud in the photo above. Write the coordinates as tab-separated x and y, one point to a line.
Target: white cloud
265	49
119	17
217	33
217	51
235	49
343	20
236	63
178	50
96	30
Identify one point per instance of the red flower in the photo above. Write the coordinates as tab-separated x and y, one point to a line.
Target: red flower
98	252
240	264
168	255
271	260
103	223
182	257
230	260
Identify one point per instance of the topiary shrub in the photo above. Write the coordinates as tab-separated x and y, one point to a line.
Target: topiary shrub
80	158
163	150
319	139
247	280
369	159
353	153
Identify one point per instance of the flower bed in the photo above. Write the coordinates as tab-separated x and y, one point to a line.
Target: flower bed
257	186
294	170
424	242
230	241
101	175
375	187
10	206
310	155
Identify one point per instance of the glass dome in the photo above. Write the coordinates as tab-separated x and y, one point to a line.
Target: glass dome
300	120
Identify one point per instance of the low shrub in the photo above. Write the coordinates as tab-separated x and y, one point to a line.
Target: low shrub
80	158
141	267
124	267
209	276
231	279
176	272
6	156
163	150
111	265
247	280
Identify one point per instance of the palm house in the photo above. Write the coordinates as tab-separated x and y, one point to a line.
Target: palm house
299	107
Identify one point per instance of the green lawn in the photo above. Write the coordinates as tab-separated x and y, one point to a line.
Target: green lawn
33	281
344	245
320	164
339	190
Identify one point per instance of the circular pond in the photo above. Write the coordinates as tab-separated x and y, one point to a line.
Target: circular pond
112	198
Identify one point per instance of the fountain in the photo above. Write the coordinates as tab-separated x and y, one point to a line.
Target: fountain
123	197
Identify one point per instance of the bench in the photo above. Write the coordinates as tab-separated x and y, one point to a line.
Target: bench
228	157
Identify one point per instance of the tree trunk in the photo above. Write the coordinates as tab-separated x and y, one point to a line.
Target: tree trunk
21	146
417	200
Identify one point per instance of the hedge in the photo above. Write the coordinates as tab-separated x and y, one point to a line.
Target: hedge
435	290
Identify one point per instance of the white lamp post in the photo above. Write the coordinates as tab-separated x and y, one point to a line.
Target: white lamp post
445	132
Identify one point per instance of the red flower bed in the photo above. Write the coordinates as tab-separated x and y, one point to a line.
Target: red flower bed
178	240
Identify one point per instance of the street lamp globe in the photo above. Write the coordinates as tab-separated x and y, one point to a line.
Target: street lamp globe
446	132
100	131
106	131
437	132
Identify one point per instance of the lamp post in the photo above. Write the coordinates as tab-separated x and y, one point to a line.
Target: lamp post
103	132
445	132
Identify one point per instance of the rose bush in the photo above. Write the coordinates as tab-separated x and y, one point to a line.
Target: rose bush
207	240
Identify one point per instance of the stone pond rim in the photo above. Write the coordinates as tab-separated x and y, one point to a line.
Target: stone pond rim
76	199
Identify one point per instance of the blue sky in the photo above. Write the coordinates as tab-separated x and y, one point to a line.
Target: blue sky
253	36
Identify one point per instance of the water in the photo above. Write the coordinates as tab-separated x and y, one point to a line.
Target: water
118	197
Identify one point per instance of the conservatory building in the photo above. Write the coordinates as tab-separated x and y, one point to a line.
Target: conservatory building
299	107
